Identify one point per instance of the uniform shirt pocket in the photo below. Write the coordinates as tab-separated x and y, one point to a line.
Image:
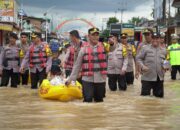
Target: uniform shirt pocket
119	55
110	56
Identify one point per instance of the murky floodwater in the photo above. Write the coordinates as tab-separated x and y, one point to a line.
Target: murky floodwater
23	109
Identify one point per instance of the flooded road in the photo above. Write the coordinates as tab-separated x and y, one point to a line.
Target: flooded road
23	109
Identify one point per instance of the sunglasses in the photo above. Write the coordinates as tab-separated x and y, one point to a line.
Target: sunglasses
23	37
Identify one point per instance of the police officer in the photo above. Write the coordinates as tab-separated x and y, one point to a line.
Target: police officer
72	53
24	45
148	33
150	59
92	62
131	52
38	57
117	64
174	54
10	62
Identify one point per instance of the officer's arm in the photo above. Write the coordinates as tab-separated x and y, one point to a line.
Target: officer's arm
168	54
134	53
25	59
67	56
125	61
77	66
49	64
140	57
1	59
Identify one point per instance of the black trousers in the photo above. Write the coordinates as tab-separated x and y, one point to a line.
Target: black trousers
129	78
37	77
68	73
6	75
113	79
174	70
25	77
93	91
156	86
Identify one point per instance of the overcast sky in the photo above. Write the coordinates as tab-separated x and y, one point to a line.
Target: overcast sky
92	10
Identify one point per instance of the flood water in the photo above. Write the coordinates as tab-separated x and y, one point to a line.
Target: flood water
23	109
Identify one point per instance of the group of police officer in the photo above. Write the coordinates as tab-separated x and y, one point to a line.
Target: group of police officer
18	59
150	58
91	61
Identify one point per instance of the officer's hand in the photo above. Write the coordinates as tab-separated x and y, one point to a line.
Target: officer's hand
22	70
68	82
111	41
122	72
145	68
136	75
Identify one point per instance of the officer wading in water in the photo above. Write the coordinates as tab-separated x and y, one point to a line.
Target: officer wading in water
117	64
10	62
38	57
131	53
24	45
92	62
72	53
174	56
150	59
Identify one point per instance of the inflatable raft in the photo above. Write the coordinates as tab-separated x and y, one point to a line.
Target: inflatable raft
62	92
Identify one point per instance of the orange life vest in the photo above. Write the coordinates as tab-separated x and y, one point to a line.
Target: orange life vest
38	57
70	62
89	61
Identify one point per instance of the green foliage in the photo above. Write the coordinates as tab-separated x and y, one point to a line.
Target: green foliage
135	20
112	20
105	34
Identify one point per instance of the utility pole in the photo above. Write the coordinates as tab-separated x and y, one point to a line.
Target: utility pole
123	6
164	12
45	14
122	9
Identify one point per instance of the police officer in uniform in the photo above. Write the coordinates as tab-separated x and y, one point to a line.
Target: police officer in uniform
150	59
10	62
131	52
117	64
38	57
72	53
92	62
148	33
174	56
24	45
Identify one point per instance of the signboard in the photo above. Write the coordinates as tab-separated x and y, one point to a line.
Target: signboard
115	28
129	29
7	10
127	25
6	27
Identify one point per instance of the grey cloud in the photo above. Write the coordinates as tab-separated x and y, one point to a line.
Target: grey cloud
88	5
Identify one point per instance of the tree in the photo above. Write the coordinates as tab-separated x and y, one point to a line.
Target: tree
105	34
135	20
112	20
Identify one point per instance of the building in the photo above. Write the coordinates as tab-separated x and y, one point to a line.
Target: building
8	19
176	4
34	24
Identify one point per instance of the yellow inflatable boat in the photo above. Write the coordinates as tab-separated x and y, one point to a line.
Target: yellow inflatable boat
61	92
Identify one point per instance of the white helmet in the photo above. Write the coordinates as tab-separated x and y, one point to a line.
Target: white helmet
174	36
162	34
